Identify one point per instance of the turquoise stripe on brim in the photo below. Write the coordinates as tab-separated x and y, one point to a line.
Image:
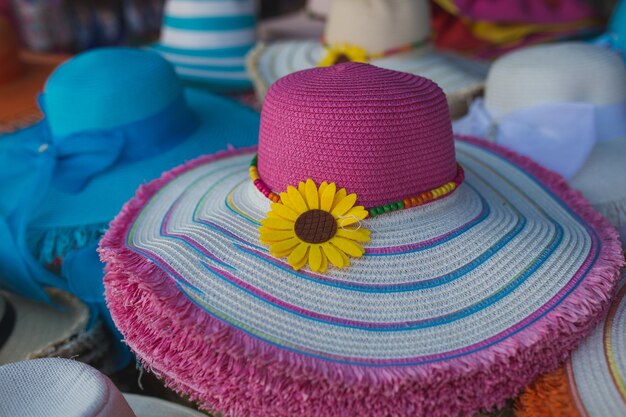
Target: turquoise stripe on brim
210	24
217	85
217	68
238	51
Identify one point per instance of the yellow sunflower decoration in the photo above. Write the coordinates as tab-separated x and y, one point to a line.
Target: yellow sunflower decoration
315	226
339	53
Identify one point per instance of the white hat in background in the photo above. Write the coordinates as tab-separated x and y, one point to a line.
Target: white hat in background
393	34
67	388
31	329
563	105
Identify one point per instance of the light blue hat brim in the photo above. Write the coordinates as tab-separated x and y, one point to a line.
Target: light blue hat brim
223	123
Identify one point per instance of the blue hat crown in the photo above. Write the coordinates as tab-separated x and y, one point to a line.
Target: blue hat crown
108	88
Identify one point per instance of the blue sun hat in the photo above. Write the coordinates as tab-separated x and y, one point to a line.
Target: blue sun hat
114	118
615	37
207	41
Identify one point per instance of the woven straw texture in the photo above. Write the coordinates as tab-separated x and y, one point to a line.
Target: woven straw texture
376	26
384	141
592	381
556	73
269	62
59	387
43	331
474	294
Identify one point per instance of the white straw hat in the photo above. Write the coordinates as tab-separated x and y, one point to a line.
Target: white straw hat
30	329
67	388
306	23
392	34
563	105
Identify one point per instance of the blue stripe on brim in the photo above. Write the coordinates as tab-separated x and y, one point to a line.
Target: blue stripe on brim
210	24
239	51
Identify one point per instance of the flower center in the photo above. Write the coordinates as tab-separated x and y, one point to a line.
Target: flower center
342	58
315	226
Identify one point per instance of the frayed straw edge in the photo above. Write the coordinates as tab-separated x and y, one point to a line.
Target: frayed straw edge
224	369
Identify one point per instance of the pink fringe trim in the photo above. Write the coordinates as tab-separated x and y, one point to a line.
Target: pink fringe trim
228	371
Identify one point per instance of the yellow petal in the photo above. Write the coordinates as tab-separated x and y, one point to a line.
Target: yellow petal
272	236
284	211
344	205
298	254
297	201
284	198
300	264
348	246
277	223
322	187
360	235
339	195
301	187
282	249
327	196
346	260
315	257
354	215
324	265
333	254
312	197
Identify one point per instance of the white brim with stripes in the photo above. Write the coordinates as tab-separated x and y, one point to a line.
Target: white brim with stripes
487	287
270	61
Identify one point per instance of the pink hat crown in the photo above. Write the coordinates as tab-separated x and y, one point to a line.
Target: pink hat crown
382	134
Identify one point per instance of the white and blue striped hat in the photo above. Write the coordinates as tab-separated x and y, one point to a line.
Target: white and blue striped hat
207	41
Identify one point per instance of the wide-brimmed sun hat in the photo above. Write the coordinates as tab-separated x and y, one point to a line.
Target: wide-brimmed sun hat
207	41
22	75
67	388
114	119
306	23
591	382
30	329
392	34
362	264
536	104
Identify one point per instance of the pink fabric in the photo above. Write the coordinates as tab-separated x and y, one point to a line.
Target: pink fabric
525	11
384	144
229	371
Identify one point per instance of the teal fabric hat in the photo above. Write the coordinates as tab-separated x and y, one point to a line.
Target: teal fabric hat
615	36
114	118
207	41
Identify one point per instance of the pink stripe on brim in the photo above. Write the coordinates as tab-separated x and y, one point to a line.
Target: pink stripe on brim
226	370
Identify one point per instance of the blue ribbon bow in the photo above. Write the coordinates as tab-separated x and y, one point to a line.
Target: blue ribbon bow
32	161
